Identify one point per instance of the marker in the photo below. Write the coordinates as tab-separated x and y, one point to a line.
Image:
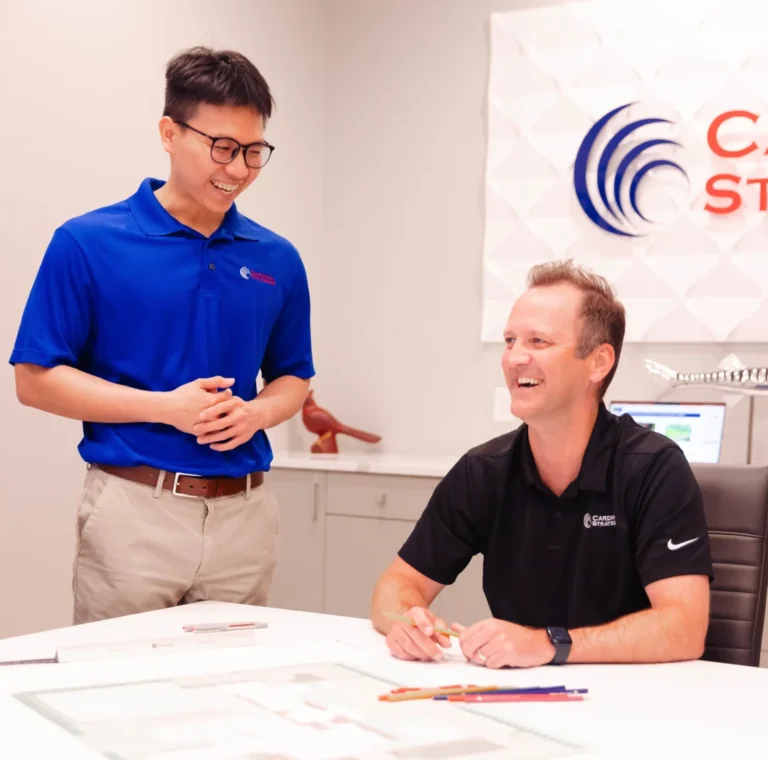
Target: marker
220	627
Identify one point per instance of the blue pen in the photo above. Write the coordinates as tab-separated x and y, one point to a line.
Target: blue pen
525	690
537	690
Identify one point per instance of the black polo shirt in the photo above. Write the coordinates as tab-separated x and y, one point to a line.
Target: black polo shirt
634	515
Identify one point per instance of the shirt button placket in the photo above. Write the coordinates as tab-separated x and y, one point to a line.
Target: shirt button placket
208	265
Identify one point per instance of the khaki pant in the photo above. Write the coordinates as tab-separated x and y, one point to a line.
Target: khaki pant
141	548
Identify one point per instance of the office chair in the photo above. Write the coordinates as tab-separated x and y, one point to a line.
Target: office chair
736	507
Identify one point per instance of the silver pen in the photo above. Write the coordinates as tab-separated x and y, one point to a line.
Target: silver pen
220	627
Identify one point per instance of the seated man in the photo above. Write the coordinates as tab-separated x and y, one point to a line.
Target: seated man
591	526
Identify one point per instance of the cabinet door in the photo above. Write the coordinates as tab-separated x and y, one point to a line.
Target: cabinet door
398	497
464	601
358	550
298	582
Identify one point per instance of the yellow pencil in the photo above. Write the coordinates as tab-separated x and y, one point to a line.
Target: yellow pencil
411	621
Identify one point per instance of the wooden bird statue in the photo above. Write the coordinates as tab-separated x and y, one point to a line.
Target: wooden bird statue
323	424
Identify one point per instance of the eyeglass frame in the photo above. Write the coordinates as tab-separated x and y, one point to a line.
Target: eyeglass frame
240	147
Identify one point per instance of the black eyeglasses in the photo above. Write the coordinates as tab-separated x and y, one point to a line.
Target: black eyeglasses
224	150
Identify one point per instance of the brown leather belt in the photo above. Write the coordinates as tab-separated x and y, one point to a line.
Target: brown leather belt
184	484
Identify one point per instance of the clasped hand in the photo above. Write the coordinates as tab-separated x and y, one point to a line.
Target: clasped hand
215	417
493	643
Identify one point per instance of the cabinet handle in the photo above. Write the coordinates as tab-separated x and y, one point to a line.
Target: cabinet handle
314	498
381	500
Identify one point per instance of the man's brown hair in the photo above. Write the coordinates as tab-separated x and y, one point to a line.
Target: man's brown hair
603	316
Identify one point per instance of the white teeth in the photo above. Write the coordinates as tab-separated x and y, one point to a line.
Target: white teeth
528	381
225	188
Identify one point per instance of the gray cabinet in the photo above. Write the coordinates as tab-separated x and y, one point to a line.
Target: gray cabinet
369	518
358	551
341	530
393	497
298	582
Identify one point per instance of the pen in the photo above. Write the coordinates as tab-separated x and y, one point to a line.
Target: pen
411	621
478	698
532	690
526	690
207	627
401	696
554	697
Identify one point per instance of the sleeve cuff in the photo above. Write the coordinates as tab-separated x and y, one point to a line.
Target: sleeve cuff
661	573
303	372
30	356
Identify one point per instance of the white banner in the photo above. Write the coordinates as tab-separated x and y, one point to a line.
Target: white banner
631	137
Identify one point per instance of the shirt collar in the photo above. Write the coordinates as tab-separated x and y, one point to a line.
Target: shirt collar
155	221
593	475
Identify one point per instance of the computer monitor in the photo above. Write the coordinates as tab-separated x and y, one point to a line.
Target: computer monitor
696	428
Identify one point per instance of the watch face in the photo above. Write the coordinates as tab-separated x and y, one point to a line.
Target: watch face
559	635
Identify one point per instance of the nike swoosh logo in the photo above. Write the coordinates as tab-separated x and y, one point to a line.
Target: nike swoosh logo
674	547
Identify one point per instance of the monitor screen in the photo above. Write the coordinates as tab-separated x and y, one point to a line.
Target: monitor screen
696	428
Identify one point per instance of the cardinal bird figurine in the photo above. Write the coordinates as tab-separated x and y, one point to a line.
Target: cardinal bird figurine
323	424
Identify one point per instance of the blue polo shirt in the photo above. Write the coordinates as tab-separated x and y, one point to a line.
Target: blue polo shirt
129	294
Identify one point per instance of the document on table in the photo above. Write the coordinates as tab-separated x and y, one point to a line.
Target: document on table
320	710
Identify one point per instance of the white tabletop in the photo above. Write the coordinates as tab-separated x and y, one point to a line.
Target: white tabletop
632	711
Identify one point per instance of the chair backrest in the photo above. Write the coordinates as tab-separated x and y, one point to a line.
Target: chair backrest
736	506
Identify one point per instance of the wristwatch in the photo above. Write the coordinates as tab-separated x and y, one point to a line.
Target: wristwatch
561	640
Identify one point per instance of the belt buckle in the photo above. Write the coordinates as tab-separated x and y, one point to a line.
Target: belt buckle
174	490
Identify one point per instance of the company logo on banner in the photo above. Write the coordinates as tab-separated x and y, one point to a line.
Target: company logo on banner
622	164
633	139
628	172
727	186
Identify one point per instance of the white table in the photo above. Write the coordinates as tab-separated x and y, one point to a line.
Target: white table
683	709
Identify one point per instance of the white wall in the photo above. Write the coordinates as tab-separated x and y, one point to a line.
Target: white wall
82	88
378	179
398	340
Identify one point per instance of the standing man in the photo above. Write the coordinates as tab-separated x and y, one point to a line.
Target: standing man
592	528
149	320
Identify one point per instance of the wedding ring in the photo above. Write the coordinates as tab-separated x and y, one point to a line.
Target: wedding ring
482	657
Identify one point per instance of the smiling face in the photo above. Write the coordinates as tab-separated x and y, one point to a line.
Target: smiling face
209	187
542	362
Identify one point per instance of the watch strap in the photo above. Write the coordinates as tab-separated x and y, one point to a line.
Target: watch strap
561	640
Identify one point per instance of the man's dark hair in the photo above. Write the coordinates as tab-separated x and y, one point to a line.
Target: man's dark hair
217	77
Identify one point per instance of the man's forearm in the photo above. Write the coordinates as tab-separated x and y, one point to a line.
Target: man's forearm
653	635
393	594
281	399
69	392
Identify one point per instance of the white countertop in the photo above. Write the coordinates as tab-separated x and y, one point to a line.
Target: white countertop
691	709
381	464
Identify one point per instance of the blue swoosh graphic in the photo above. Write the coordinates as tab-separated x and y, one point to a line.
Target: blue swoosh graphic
581	164
610	149
633	188
627	160
580	174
